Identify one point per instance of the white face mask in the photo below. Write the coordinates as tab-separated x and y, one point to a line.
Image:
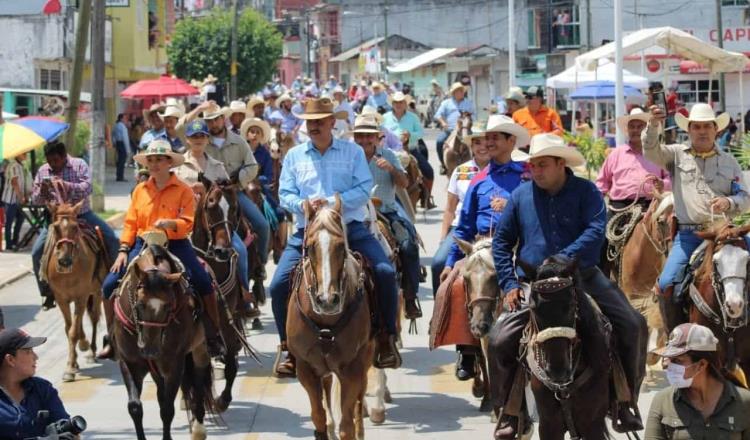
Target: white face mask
676	375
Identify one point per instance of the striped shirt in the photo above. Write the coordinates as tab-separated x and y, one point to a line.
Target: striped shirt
77	177
14	169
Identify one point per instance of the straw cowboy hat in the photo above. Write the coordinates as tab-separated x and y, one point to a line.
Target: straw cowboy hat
237	107
455	86
366	124
376	85
636	114
255	122
213	112
171	111
505	124
159	147
210	79
547	144
702	113
400	96
282	98
156	107
255	100
321	108
515	94
369	110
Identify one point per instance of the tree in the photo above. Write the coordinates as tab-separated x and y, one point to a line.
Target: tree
202	45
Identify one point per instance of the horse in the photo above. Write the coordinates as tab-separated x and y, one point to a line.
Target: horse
329	324
75	263
455	150
718	298
566	348
416	189
156	332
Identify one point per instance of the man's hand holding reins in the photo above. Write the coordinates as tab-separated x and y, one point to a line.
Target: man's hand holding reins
512	299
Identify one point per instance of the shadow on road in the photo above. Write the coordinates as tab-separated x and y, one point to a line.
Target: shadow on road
20	315
407	408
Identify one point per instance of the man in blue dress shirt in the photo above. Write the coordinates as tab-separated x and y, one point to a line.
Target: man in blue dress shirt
379	98
284	118
316	171
448	114
562	215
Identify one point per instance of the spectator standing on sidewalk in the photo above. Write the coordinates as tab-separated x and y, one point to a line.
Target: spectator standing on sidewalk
15	194
121	139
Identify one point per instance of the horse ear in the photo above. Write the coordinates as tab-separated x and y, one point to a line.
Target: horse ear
337	205
527	268
464	245
202	179
173	277
77	207
308	210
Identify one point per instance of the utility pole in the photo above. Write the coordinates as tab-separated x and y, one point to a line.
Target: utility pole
308	58
96	143
385	41
74	94
588	25
720	38
233	68
511	43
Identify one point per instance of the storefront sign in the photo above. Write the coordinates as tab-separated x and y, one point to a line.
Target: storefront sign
735	38
118	3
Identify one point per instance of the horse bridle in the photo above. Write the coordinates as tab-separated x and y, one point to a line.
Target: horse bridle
717	283
210	251
493	300
173	304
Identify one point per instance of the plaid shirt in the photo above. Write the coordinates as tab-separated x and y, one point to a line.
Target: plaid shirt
77	177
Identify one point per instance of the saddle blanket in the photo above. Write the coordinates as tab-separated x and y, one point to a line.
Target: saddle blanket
450	318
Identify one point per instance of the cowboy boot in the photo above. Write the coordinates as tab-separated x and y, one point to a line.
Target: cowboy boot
627	421
107	351
49	297
386	353
212	326
287	367
412	309
465	366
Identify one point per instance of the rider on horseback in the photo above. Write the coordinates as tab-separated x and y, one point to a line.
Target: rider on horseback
64	179
485	201
536	117
315	171
563	215
448	114
707	182
162	202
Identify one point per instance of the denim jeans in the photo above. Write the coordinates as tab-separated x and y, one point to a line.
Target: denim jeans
122	157
13	222
442	137
439	259
360	240
259	223
424	165
408	252
239	246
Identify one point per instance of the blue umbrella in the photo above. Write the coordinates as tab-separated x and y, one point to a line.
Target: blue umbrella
603	90
47	128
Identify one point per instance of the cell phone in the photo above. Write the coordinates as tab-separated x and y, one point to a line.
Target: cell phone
658	97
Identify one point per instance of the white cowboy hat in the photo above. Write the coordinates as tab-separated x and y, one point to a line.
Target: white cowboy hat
475	133
515	94
156	107
237	107
702	113
366	124
547	144
255	122
505	124
255	100
398	97
635	115
171	111
210	79
376	85
282	98
369	110
337	89
213	112
455	86
159	147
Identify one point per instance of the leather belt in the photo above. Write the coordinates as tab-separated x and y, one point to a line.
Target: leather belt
692	227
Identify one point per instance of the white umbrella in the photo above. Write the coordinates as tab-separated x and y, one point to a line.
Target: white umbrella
574	77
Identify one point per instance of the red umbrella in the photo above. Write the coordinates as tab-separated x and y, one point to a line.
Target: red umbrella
159	88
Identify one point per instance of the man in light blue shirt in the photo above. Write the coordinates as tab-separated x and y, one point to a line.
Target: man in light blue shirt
284	118
448	113
314	172
122	143
379	98
344	105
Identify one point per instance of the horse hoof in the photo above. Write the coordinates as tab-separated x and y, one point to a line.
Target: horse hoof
222	404
90	358
199	431
69	376
477	389
331	431
485	406
83	345
377	415
257	325
387	398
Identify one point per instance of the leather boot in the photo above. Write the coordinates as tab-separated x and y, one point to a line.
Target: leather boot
671	313
412	310
627	420
465	366
107	351
429	203
212	326
49	297
386	352
507	427
286	367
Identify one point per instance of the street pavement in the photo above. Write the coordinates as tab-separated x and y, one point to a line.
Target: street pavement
428	402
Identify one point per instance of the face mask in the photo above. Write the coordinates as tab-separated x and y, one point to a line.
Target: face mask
676	376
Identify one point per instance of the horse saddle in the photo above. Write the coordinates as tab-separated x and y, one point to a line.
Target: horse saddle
450	318
685	280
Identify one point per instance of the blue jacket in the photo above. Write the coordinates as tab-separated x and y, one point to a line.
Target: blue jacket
19	421
570	223
265	165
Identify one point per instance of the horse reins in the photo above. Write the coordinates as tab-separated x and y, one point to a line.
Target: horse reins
470	303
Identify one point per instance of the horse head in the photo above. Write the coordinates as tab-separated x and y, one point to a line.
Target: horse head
327	264
214	219
67	233
480	279
553	302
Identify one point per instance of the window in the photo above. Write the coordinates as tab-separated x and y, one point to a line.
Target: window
691	92
565	27
733	2
51	79
535	28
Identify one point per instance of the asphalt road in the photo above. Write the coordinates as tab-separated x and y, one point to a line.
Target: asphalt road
428	402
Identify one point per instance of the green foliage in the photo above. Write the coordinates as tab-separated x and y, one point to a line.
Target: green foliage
742	152
594	150
201	46
80	149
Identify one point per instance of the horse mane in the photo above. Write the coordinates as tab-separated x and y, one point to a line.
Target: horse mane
330	220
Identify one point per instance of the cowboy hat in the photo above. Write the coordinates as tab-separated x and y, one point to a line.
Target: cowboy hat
455	86
255	100
636	114
398	97
255	122
376	85
282	98
171	111
369	110
159	147
547	144
155	107
337	89
515	94
210	79
321	108
476	132
702	113
366	124
505	124
534	92
236	107
213	112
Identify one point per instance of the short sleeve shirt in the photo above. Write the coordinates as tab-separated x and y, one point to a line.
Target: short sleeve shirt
459	184
382	181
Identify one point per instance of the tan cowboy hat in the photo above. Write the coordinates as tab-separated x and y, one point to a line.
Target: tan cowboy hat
236	107
515	94
376	85
321	108
635	115
455	86
366	124
156	107
210	79
159	147
255	100
369	110
255	122
171	111
398	97
282	98
213	112
547	144
702	113
505	124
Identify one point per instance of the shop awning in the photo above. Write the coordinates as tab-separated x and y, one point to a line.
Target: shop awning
354	51
689	67
422	59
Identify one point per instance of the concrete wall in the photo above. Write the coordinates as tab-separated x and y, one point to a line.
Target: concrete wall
26	38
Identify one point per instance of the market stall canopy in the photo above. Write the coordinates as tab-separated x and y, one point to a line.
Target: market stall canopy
602	91
573	77
674	41
688	66
159	88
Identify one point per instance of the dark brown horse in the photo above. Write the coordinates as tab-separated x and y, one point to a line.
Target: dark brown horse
329	324
156	332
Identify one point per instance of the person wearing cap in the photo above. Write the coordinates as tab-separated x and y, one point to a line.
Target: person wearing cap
270	104
256	108
514	100
536	117
706	183
237	112
172	120
562	215
702	402
448	114
387	174
314	173
74	176
155	125
22	394
167	203
122	141
284	117
379	98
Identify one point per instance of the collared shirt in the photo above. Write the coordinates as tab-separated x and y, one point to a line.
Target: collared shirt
265	165
287	120
570	223
379	100
695	181
148	204
408	122
624	171
459	183
390	140
345	106
19	420
546	120
77	177
306	174
383	186
268	111
451	110
477	215
236	155
149	136
177	143
120	133
671	416
189	170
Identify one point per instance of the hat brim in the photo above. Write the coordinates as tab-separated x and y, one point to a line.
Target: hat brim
520	99
407	99
263	125
521	134
721	121
148	111
34	341
365	131
623	121
453	89
177	159
518	156
313	116
669	352
210	116
573	158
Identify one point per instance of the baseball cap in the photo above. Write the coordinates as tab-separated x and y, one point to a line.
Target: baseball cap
197	126
688	337
534	91
13	339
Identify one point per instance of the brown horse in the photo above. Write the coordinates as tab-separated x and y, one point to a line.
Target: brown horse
455	150
75	263
329	323
156	332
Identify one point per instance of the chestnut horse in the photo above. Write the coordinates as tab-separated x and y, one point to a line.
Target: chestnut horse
329	323
455	150
74	264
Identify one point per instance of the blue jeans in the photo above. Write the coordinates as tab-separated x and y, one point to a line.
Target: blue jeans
408	254
423	164
259	223
360	240
13	223
239	246
183	250
122	157
110	241
439	259
442	137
